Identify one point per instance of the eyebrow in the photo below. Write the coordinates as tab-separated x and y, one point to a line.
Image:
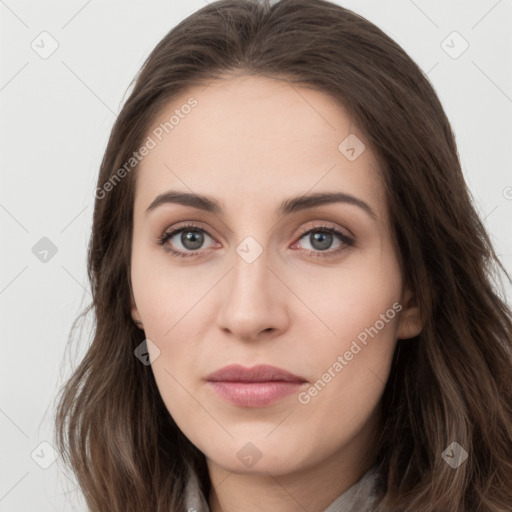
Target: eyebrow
288	206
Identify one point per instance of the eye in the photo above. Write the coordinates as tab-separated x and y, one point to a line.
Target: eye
188	239
321	239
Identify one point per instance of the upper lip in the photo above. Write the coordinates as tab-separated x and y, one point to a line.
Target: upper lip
258	373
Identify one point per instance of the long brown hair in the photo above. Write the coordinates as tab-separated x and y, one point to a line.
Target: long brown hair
451	383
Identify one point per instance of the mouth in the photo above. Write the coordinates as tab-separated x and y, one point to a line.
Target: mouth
254	387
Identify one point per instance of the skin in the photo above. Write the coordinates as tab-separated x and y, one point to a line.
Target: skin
250	143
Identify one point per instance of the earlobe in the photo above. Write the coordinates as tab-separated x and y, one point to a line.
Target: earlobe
410	323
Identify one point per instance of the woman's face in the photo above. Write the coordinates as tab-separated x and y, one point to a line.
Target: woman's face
251	287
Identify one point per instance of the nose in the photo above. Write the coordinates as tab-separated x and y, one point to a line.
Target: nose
253	304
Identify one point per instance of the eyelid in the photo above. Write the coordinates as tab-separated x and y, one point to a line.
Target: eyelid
170	232
326	225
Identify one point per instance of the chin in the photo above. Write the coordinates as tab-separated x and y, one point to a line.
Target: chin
263	455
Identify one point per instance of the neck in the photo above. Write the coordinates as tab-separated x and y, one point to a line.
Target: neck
313	488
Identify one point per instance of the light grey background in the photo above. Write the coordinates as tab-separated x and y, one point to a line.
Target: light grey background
56	115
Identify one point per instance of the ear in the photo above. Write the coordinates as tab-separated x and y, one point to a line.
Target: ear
410	323
135	314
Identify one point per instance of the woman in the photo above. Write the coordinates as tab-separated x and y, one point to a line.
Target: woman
293	293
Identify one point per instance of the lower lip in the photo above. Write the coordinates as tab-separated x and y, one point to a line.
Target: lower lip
255	394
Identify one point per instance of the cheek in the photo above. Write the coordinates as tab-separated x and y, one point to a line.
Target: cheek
351	350
352	302
167	296
350	374
353	370
182	399
169	302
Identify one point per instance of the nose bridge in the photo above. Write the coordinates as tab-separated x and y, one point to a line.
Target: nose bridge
250	272
252	304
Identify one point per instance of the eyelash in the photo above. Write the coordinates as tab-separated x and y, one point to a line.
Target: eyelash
346	240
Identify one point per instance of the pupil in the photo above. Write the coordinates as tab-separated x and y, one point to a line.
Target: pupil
192	239
324	239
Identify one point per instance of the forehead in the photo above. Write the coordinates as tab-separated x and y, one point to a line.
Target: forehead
251	140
